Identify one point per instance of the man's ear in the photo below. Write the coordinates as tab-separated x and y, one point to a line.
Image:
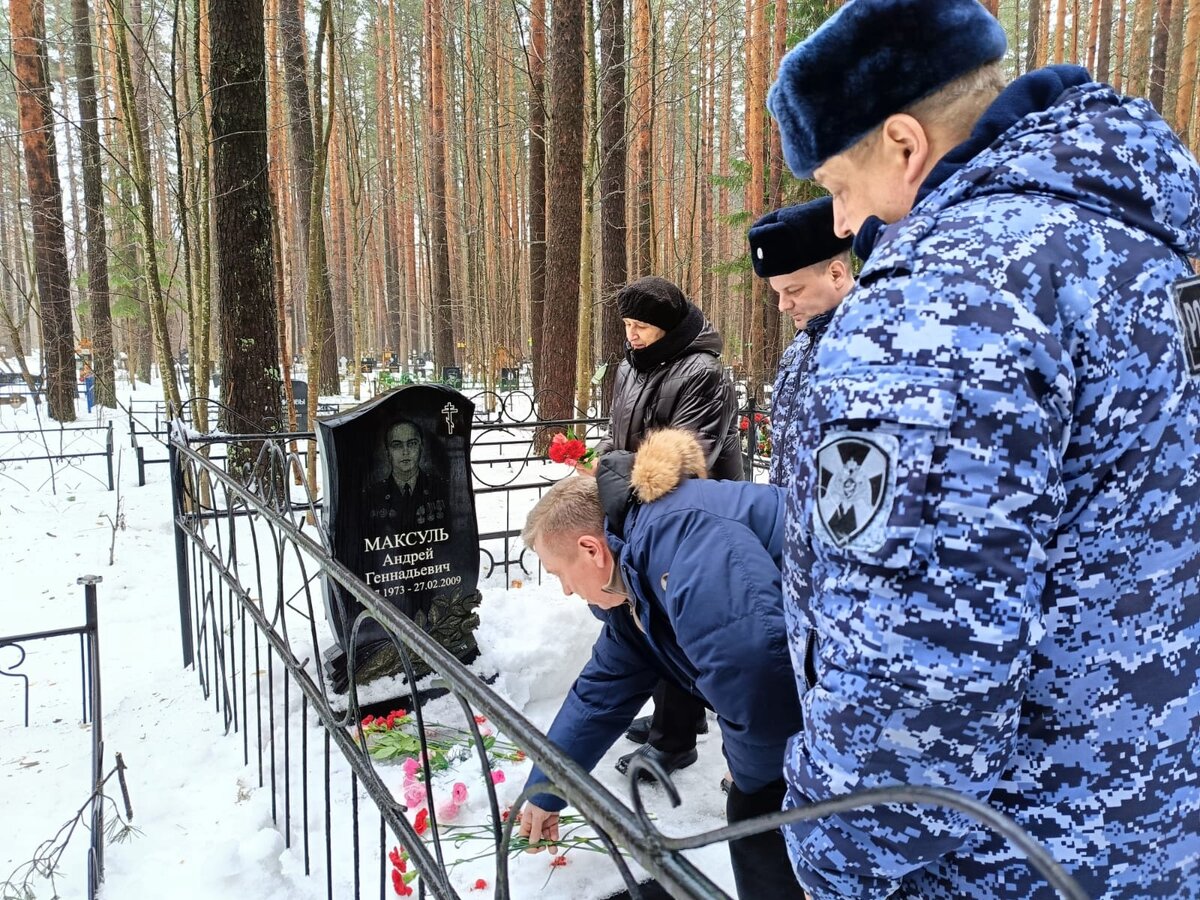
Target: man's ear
838	273
595	547
906	147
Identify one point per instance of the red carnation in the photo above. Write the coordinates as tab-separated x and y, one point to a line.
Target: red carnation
398	883
743	423
422	822
397	859
480	885
566	448
558	860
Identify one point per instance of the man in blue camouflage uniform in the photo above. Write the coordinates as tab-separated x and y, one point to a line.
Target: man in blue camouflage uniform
808	267
994	533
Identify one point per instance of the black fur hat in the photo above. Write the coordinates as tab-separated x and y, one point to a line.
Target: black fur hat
791	238
653	300
872	59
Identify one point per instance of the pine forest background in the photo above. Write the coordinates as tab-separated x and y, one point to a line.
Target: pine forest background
251	182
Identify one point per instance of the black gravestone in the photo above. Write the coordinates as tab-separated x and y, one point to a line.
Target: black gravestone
400	513
452	375
510	379
300	395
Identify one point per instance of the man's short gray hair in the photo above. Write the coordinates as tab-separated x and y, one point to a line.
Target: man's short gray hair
569	509
956	106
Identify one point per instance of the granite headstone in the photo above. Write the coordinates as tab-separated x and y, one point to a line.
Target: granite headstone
400	513
300	395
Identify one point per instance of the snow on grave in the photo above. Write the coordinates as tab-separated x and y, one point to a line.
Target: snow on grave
205	822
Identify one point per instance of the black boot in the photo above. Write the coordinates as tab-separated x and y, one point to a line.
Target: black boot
670	762
639	731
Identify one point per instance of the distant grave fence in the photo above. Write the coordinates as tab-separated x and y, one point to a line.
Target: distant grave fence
64	448
89	672
250	559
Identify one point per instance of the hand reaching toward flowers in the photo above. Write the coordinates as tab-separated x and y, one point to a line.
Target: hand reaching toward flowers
536	824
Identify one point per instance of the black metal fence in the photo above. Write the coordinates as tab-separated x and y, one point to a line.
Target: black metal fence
89	667
64	449
251	558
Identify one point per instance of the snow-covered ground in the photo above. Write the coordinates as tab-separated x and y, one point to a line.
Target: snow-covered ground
204	826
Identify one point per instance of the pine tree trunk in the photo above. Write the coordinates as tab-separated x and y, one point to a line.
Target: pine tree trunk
1104	40
93	201
1158	60
1034	35
641	67
564	213
1187	71
137	135
756	65
300	121
249	343
1139	48
28	24
537	187
443	327
1174	62
613	239
1119	64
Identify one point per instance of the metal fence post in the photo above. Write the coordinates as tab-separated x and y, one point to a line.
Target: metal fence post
96	863
108	455
181	560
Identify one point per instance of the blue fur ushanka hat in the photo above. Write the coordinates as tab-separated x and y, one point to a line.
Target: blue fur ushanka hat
791	238
872	59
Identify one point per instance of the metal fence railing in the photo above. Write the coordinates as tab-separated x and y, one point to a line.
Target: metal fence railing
64	449
251	558
89	667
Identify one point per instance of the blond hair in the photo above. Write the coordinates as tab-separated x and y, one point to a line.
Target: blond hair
569	509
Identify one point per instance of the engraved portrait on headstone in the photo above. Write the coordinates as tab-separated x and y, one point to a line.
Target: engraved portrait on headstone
410	493
400	514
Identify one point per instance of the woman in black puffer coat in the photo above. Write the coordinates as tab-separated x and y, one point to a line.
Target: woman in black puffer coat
672	377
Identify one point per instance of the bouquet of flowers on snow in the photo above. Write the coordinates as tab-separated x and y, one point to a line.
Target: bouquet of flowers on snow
393	738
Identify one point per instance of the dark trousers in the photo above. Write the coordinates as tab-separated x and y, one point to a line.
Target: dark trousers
761	868
677	719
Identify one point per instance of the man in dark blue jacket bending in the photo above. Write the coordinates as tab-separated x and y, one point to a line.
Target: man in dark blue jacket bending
685	574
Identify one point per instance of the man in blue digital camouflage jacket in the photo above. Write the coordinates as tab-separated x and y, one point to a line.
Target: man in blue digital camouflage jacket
808	267
994	534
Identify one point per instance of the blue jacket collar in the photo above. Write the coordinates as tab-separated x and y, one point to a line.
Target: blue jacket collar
1031	93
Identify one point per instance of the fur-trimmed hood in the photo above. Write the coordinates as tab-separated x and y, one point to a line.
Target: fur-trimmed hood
665	459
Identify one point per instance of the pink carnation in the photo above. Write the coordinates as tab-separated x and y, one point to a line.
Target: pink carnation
497	776
447	811
459	793
411	766
414	794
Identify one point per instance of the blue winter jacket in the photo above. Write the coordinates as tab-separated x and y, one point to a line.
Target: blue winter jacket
702	566
994	535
